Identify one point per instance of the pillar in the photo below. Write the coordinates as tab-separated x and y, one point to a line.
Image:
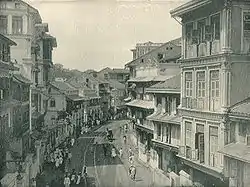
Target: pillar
25	24
155	103
182	87
206	148
221	142
9	24
163	105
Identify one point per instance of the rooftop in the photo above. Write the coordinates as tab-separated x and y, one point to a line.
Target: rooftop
116	84
7	40
188	7
63	86
171	84
241	109
22	79
174	53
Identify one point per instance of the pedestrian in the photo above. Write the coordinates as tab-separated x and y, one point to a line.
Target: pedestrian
133	172
47	185
120	152
57	163
78	178
84	171
69	156
73	177
131	159
124	139
113	153
33	184
66	181
130	151
72	142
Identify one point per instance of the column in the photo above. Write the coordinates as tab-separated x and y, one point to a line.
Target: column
182	132
155	103
221	142
9	24
25	24
226	27
206	140
183	39
163	105
224	89
182	87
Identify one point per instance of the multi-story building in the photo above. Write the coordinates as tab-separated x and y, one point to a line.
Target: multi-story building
92	110
120	75
237	140
146	71
166	123
14	114
65	113
143	48
118	94
215	72
100	86
33	53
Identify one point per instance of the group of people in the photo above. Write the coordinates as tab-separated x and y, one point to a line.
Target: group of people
75	178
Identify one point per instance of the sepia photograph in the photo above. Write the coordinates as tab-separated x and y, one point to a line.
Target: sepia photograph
124	93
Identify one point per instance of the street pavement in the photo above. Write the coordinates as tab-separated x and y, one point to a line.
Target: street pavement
103	171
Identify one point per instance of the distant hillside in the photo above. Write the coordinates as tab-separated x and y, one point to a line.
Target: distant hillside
59	71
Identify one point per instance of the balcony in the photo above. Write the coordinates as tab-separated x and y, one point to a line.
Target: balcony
197	158
194	103
145	125
168	144
201	104
203	49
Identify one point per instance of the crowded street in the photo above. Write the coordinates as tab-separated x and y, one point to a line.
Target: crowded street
93	150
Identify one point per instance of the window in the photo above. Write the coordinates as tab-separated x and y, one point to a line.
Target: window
188	135
215	26
201	86
215	83
246	24
106	76
52	103
3	24
189	33
201	30
159	131
17	25
213	133
188	84
17	5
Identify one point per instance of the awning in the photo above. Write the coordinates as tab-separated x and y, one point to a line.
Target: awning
121	107
76	98
22	79
173	119
166	146
144	128
237	151
127	99
141	104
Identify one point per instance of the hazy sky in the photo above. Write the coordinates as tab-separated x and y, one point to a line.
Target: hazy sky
93	34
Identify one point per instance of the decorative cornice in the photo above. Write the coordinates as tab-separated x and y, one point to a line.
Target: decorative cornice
188	7
206	60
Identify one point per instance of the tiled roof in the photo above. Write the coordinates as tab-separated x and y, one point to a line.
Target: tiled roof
21	78
242	108
173	83
237	151
119	70
90	93
76	98
165	118
63	86
6	39
116	84
141	104
175	53
152	78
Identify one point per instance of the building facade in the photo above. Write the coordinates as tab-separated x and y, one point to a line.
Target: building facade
236	149
145	71
166	123
120	75
214	50
101	88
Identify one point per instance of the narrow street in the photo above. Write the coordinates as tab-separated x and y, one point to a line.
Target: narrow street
104	171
